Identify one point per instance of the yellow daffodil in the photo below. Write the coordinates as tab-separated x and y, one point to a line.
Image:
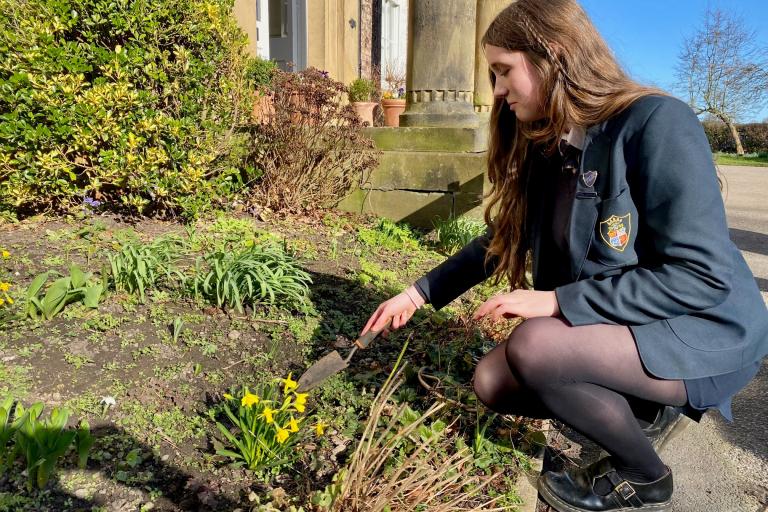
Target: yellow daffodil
301	400
267	413
2	302
320	427
249	400
4	287
293	425
6	255
10	300
228	396
290	384
282	435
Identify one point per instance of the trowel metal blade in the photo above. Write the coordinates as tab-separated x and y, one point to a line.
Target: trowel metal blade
326	366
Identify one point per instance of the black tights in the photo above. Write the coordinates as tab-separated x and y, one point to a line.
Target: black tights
589	377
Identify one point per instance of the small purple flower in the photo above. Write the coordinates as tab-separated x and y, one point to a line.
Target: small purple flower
400	92
324	73
93	203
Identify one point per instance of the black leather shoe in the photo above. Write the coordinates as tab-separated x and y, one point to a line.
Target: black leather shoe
575	490
669	423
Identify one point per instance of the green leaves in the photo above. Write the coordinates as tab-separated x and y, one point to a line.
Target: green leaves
128	101
40	441
259	274
262	429
137	266
77	287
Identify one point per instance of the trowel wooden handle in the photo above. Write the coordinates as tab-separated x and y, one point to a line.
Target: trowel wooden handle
366	339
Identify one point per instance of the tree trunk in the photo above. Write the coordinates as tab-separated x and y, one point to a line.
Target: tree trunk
735	135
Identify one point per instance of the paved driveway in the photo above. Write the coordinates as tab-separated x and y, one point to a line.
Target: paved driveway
722	467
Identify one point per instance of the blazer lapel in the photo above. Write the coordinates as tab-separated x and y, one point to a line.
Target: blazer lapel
593	173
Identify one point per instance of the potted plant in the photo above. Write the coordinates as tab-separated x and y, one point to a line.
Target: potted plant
260	73
393	99
360	92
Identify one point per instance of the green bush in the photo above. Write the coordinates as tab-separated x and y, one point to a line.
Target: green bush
261	72
132	102
754	137
361	90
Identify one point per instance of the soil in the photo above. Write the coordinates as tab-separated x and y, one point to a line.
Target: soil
155	448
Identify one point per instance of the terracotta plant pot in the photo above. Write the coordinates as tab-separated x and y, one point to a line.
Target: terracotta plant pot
263	108
364	110
393	107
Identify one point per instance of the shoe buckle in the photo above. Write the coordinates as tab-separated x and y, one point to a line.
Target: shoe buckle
625	490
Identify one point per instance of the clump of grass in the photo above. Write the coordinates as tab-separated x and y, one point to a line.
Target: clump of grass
389	235
139	266
259	274
454	233
434	475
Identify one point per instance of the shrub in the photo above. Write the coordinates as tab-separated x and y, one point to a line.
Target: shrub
132	102
313	151
754	137
261	72
361	90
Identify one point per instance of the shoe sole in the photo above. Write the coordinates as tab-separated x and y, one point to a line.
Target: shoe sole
679	426
558	504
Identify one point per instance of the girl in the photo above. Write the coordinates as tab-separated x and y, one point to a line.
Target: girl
639	300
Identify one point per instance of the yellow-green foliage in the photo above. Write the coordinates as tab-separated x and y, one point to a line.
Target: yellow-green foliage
132	102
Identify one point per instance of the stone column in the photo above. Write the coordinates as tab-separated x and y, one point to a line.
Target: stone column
486	12
441	64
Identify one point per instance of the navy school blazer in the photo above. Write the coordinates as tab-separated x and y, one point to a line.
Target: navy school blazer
648	247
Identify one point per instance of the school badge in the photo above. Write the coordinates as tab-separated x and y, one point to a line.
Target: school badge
615	231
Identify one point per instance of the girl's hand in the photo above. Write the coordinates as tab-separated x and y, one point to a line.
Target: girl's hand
523	303
399	308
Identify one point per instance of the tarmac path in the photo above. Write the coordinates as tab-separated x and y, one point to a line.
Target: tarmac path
720	466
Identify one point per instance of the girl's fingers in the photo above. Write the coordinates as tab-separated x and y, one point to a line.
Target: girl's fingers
488	306
373	320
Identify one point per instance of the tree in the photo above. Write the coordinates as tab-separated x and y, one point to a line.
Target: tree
722	71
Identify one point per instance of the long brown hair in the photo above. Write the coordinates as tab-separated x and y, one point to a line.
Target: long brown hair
582	85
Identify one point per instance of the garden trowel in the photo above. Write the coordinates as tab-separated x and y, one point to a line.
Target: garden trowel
333	363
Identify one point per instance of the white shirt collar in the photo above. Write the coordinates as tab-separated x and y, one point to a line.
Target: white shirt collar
575	137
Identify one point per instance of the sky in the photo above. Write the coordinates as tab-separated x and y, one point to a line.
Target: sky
647	35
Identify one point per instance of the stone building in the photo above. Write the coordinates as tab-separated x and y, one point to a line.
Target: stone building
347	38
433	166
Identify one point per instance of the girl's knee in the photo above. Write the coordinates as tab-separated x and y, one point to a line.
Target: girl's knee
529	351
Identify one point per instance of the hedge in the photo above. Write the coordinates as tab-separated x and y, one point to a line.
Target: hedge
754	137
132	103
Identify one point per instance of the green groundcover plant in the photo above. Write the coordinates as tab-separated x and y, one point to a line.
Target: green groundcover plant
76	287
133	103
40	441
256	274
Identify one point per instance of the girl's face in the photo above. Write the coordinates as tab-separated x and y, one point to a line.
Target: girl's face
517	82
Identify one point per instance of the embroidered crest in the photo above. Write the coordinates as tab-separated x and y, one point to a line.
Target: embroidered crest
589	178
615	231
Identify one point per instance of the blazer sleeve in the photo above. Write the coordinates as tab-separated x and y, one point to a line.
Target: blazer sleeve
681	214
458	273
